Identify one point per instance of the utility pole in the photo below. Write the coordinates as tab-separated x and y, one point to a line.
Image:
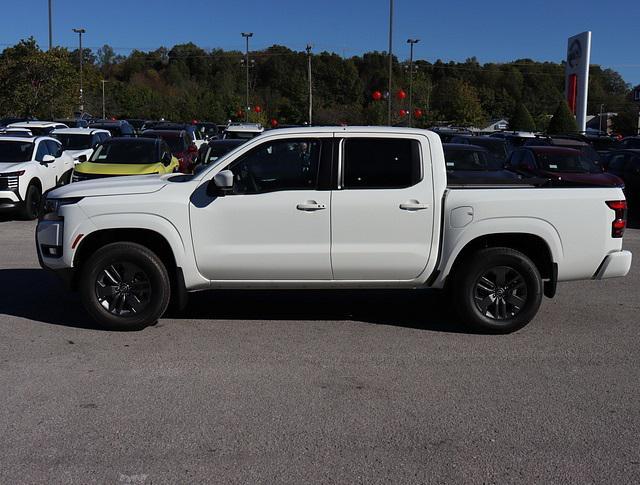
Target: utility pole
104	116
50	30
80	31
411	42
246	35
310	84
600	117
389	96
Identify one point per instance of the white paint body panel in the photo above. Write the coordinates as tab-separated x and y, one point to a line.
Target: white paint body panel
361	240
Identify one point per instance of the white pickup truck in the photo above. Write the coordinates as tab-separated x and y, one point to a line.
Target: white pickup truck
328	207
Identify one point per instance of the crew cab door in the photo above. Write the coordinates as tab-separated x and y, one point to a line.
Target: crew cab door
382	213
47	171
275	225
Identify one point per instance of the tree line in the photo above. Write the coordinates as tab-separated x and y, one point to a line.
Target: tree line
187	82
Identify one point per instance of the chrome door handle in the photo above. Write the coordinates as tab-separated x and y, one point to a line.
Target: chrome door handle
311	206
413	206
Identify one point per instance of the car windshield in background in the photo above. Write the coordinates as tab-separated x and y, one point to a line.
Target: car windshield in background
497	150
240	135
176	142
218	150
137	151
15	151
562	163
467	160
75	141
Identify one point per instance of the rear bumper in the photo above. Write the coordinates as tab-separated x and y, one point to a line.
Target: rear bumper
614	265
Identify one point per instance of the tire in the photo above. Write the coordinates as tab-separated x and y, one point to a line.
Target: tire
66	178
32	202
125	286
497	290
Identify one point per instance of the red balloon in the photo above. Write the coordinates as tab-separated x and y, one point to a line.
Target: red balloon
401	94
257	109
273	122
403	112
376	95
194	122
417	113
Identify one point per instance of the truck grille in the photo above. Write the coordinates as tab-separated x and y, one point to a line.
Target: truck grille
9	183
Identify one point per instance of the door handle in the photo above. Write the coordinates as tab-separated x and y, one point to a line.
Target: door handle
311	206
413	206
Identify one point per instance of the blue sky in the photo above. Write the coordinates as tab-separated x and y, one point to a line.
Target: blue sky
494	31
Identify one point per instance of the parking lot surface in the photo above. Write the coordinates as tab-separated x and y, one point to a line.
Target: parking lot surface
316	387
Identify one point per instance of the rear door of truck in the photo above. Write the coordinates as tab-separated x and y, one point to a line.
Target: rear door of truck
382	213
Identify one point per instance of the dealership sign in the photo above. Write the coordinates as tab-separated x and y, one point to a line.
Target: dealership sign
577	76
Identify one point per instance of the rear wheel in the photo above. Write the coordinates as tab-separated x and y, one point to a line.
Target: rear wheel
125	286
31	205
498	290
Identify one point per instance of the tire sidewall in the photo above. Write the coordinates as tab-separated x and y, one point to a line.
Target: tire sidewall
27	211
480	263
146	261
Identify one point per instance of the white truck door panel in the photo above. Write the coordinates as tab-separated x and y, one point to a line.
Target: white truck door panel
380	232
271	227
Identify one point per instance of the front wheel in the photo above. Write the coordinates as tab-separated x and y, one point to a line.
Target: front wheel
497	290
125	286
31	205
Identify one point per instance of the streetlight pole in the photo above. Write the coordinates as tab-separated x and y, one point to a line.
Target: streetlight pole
80	31
50	30
411	42
310	84
389	96
104	116
246	35
600	117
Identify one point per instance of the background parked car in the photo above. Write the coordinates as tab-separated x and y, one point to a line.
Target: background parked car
127	156
214	149
137	124
626	165
587	152
194	134
208	130
181	145
29	166
242	131
630	142
513	139
38	128
497	147
468	162
559	164
117	128
79	143
73	123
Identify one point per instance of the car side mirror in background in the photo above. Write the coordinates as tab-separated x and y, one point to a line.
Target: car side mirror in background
166	159
221	184
47	159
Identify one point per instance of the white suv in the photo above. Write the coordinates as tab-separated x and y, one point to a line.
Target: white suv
30	166
79	143
38	128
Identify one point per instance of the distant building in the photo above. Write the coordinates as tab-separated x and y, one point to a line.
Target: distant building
635	94
496	125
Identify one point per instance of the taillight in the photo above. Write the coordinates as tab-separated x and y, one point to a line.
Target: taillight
620	222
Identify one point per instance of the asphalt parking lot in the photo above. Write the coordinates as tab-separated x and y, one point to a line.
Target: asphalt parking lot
313	387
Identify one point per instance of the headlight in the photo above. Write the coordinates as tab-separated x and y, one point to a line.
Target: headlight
51	207
12	174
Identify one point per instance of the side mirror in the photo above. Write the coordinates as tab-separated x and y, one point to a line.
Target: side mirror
48	159
221	184
82	158
166	159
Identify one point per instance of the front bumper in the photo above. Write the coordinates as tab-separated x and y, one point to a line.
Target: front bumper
614	265
9	200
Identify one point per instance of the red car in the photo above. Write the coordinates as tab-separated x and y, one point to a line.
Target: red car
560	164
181	145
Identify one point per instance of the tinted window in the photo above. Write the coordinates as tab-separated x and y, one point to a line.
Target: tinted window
41	151
139	151
458	159
374	163
74	141
616	162
55	149
15	151
278	165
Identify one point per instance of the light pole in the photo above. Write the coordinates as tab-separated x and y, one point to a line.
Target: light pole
246	35
411	42
104	116
310	85
80	31
600	117
389	96
50	31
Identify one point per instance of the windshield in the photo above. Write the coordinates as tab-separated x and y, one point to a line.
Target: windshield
217	150
467	160
239	135
15	151
562	162
176	143
127	152
497	149
75	141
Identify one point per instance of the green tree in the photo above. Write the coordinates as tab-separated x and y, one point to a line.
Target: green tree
626	123
563	121
456	102
521	119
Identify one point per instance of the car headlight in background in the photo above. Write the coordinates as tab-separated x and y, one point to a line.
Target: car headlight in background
50	208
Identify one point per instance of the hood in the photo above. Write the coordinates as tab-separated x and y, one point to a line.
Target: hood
12	166
601	179
143	184
92	168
